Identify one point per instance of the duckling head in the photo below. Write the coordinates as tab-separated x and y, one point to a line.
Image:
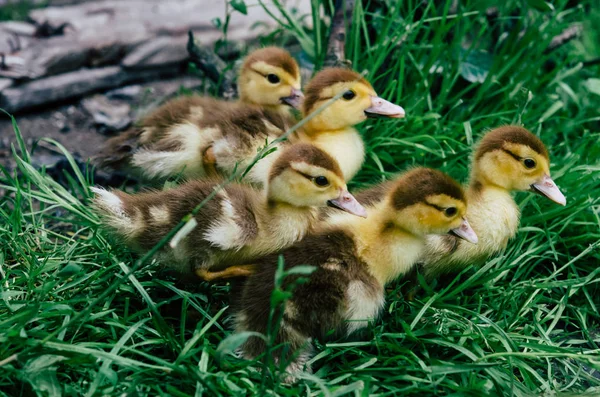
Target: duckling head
426	201
270	77
514	159
358	101
305	176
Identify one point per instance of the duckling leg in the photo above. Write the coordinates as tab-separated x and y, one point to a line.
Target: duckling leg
230	272
209	161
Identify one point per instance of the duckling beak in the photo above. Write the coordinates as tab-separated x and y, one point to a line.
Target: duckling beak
347	202
546	187
466	232
383	108
295	99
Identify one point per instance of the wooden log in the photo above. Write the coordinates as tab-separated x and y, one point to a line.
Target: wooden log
73	85
18	28
5	83
162	51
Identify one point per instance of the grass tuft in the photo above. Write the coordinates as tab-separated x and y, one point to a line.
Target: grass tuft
80	315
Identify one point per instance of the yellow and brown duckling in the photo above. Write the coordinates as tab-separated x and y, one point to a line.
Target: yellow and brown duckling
333	129
354	260
176	139
221	142
507	159
239	223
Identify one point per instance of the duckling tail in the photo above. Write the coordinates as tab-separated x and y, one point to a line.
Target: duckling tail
110	207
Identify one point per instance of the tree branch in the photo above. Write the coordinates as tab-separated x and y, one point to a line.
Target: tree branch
336	45
214	68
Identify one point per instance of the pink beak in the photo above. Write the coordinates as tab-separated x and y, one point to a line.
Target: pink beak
383	108
466	232
547	187
295	99
347	202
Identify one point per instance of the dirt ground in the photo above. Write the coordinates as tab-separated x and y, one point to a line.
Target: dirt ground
72	126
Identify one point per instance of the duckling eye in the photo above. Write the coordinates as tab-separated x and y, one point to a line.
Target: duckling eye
450	211
529	163
348	95
273	78
321	181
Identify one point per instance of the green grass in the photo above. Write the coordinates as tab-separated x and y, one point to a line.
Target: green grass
18	10
74	319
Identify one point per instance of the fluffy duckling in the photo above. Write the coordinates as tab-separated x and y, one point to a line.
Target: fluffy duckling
239	223
219	144
333	129
507	159
354	260
176	138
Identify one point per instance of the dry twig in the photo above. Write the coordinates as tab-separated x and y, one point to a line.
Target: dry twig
214	68
336	52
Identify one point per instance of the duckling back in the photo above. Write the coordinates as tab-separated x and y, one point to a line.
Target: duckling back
174	140
226	222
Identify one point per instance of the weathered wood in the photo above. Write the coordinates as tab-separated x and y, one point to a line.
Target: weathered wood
336	45
162	51
73	85
5	83
161	17
56	55
18	28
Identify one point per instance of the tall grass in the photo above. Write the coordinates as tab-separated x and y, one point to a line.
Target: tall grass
76	320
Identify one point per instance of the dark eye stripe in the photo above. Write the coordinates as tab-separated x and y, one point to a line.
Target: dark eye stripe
257	72
305	175
437	207
514	156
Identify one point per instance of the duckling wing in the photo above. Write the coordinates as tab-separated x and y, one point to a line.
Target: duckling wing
318	305
232	224
249	130
168	140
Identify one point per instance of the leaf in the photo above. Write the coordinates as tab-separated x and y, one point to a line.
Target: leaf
540	5
230	344
69	270
476	65
187	228
385	156
556	106
279	296
303	269
239	5
41	374
593	85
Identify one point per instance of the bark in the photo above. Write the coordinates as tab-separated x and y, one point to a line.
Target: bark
336	45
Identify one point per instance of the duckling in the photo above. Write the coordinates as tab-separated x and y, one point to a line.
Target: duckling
239	223
333	129
354	260
507	159
175	139
225	144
